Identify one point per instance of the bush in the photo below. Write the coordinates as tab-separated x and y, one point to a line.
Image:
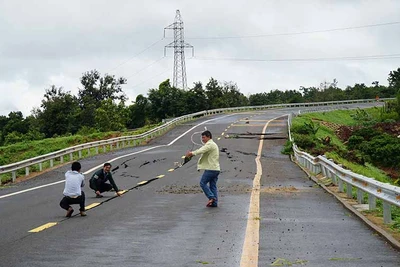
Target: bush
288	148
304	141
367	133
355	141
382	150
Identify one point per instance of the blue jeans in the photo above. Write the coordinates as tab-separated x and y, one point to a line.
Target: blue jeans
210	177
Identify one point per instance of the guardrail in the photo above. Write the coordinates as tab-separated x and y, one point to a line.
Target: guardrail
346	180
121	142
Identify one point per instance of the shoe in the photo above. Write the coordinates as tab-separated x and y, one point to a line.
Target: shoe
210	202
69	212
99	196
83	213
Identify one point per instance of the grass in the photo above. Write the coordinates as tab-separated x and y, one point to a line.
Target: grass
30	149
344	117
337	116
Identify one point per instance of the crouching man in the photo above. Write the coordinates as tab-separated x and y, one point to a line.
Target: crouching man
73	194
99	179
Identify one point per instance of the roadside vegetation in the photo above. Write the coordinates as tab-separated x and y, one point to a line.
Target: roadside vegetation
365	141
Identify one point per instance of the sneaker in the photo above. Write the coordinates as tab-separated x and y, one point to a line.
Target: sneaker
99	196
83	213
69	212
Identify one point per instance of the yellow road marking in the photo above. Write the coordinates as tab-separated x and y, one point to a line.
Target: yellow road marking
122	191
222	133
183	157
43	227
229	126
219	138
160	176
226	130
251	242
142	182
171	170
91	206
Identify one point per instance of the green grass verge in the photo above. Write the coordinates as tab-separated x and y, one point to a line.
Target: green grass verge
26	150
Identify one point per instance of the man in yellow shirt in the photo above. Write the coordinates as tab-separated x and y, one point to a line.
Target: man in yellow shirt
209	162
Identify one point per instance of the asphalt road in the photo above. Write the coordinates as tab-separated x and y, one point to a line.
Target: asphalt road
165	222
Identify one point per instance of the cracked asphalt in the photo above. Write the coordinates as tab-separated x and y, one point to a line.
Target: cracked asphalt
164	221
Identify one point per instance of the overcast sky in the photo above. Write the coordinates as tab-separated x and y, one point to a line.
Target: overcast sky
53	42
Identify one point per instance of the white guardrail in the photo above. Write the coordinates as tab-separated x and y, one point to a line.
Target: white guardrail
133	140
346	180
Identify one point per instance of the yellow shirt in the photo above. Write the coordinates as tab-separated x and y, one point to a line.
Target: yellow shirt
209	159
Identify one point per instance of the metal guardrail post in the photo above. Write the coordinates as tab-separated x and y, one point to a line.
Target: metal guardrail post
40	166
26	171
97	150
71	157
349	190
14	176
341	186
371	202
51	163
360	196
387	212
61	159
80	153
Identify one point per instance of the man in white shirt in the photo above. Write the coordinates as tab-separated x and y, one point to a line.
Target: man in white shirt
73	194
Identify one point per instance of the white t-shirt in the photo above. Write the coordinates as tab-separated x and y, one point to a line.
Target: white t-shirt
74	181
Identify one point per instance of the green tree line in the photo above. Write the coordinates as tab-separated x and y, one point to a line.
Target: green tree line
101	104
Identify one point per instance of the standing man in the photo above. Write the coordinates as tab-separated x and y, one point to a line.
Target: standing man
209	162
99	184
73	194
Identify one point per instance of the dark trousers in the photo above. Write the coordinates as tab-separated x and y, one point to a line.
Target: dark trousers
101	187
66	202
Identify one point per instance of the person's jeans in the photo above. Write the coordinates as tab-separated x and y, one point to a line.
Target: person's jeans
211	191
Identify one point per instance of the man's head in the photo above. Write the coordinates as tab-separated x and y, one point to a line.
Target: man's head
76	166
107	167
205	136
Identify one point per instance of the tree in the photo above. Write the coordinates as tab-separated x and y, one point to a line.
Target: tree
166	101
138	112
59	113
110	116
215	95
95	90
394	79
196	99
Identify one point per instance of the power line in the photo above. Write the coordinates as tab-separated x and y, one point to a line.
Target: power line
141	52
152	77
151	64
297	33
372	57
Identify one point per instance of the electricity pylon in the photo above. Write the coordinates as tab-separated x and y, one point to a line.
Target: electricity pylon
179	46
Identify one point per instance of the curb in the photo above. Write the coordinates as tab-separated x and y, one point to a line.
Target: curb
389	238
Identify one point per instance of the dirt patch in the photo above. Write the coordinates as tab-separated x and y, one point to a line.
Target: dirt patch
196	189
284	189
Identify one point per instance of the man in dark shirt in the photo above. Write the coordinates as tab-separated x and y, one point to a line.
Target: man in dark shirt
99	179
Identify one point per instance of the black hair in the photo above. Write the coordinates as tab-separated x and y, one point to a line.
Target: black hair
76	166
207	133
107	164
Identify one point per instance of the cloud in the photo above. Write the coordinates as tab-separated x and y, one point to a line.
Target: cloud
47	43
